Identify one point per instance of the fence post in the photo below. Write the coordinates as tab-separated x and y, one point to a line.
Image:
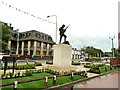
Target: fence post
15	85
54	79
46	81
72	76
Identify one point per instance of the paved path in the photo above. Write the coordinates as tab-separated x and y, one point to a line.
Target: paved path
106	81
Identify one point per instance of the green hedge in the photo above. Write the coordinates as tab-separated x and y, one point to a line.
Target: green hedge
75	63
94	59
20	67
97	66
103	69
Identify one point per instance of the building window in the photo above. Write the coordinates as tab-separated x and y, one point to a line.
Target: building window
42	37
49	38
21	35
14	35
39	36
45	37
28	34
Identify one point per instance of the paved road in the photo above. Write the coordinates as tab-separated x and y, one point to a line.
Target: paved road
106	81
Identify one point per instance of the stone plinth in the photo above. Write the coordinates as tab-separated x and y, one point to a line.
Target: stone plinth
62	55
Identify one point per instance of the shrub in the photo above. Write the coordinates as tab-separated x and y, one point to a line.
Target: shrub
28	73
75	63
9	67
38	64
97	66
94	59
32	66
95	71
29	66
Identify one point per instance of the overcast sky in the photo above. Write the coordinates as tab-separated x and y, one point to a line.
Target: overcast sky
91	21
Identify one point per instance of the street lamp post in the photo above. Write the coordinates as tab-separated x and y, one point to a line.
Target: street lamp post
56	27
17	51
112	45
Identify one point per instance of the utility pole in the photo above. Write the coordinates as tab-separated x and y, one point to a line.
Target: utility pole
112	38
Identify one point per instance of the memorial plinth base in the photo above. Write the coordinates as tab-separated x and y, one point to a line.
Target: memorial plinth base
62	55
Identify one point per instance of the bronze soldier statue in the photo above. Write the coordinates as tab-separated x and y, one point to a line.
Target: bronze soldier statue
62	32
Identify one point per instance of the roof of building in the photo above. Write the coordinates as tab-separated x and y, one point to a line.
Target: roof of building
32	35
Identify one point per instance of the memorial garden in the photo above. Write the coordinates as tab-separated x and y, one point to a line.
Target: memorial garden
46	77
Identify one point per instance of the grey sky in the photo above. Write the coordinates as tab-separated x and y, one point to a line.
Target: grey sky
91	21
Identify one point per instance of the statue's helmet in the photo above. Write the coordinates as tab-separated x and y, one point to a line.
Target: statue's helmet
63	25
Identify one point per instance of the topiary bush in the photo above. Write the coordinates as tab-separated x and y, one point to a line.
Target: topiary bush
75	63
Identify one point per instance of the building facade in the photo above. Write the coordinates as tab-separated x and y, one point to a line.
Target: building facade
119	27
30	43
76	54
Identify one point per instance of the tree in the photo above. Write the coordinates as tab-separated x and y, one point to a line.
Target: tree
6	32
92	52
117	52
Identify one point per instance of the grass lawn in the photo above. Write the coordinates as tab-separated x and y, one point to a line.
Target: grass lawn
37	75
40	83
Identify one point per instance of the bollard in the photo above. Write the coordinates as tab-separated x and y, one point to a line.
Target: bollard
46	81
72	76
54	79
15	85
110	68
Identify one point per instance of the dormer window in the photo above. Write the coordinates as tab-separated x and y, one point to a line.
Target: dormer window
42	37
28	34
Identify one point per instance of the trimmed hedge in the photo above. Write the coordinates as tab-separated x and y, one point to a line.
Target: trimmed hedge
29	66
20	67
75	63
94	59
